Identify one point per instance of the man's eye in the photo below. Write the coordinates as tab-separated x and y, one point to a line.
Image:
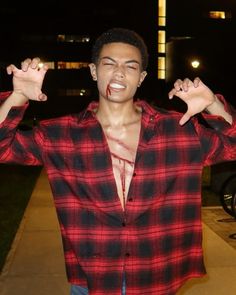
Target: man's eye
108	64
132	67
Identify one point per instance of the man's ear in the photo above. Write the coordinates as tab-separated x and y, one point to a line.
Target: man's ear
93	71
142	77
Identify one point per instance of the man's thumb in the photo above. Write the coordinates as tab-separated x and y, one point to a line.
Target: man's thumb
184	119
42	97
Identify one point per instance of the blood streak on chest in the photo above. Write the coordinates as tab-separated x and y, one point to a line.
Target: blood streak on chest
123	164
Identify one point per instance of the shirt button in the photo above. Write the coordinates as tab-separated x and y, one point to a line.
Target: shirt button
127	254
134	174
123	224
130	199
96	255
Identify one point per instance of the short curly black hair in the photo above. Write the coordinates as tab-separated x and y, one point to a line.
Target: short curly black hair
124	36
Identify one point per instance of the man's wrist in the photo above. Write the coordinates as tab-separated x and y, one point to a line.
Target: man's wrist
218	108
17	98
215	106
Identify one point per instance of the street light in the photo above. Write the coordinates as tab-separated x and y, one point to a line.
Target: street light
195	64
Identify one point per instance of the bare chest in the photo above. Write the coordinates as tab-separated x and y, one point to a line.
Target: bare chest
123	144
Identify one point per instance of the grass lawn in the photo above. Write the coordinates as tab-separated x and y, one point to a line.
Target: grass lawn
16	185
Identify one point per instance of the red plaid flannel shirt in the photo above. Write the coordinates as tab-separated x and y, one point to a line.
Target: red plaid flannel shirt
157	241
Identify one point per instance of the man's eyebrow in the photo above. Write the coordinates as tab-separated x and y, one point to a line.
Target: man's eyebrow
113	60
107	57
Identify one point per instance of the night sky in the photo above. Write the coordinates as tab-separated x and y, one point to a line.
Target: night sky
76	16
184	18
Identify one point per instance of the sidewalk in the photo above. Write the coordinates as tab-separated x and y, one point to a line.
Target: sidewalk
35	265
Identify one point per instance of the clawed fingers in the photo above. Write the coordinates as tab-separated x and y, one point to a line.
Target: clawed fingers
25	64
42	97
10	69
35	63
183	85
32	63
180	85
196	81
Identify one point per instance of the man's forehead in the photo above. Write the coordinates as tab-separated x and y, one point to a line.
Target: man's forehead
120	50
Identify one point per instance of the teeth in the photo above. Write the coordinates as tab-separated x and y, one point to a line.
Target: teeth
115	85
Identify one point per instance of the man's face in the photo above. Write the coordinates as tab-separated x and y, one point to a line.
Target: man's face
118	72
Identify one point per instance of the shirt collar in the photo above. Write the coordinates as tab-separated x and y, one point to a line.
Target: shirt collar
148	112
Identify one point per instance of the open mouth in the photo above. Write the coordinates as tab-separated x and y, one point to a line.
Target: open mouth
116	86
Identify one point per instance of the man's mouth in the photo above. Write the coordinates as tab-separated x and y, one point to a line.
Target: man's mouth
117	86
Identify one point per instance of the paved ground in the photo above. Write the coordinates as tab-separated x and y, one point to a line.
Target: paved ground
35	265
221	223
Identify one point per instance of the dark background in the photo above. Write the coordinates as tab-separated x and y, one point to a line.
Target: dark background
31	30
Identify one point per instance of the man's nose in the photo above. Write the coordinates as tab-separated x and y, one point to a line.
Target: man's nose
120	71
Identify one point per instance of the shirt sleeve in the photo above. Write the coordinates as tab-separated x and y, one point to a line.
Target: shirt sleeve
4	95
219	123
17	146
218	140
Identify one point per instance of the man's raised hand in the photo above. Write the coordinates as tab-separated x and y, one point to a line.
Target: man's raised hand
28	80
195	94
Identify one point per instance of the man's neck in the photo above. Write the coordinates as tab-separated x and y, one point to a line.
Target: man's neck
115	114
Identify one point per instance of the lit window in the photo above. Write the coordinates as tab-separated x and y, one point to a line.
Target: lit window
161	67
50	64
161	36
61	38
73	38
161	48
162	8
74	92
161	74
162	13
161	21
64	65
217	14
61	65
161	41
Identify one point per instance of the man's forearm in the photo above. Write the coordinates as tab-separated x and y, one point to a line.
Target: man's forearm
14	100
217	108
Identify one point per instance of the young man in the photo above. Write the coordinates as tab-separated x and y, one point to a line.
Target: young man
126	178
